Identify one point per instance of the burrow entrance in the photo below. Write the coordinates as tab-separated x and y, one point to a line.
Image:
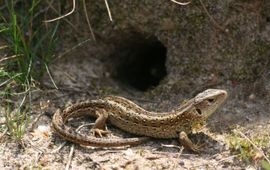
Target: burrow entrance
139	62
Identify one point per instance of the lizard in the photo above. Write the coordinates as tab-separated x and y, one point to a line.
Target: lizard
131	118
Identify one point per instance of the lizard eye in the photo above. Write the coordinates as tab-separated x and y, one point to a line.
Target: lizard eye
199	111
210	100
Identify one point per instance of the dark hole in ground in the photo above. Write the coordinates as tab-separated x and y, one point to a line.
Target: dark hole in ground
140	62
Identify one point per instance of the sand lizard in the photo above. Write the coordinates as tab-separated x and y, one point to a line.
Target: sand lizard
131	118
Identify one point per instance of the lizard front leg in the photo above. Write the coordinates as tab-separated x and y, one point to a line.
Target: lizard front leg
187	143
99	126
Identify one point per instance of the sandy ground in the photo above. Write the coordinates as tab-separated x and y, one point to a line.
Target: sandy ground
85	79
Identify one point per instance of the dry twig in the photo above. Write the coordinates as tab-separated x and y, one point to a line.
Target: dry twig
213	20
70	157
181	3
108	9
88	21
253	144
63	16
8	58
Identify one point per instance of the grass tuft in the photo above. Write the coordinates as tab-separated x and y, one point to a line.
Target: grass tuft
251	149
29	45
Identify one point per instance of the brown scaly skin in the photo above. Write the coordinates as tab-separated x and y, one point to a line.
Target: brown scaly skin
131	118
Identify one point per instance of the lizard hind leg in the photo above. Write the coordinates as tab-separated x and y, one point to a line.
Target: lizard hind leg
99	128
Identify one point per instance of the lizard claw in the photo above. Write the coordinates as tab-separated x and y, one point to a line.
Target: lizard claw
99	132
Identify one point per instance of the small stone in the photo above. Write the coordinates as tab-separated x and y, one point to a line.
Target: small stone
182	163
252	96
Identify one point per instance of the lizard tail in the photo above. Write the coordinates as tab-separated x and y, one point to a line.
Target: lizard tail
71	135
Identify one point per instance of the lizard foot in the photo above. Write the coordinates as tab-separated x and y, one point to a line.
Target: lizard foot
99	132
188	144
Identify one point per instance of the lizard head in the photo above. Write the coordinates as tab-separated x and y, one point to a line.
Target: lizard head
208	101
